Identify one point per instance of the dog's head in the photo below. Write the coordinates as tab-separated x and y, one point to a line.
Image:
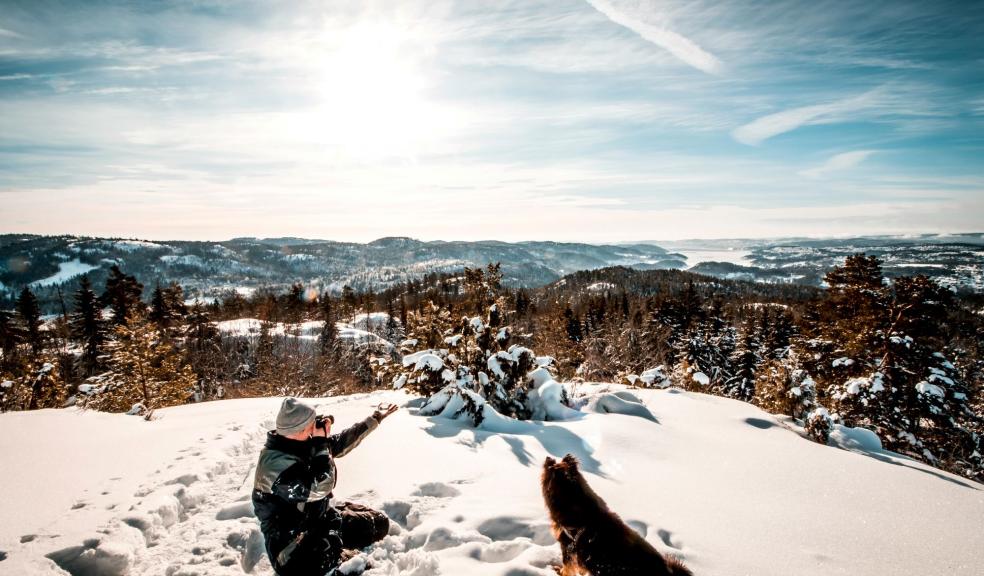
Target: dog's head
565	491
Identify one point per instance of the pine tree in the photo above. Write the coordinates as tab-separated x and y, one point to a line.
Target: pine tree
87	327
394	330
781	387
573	326
329	332
145	370
167	307
122	296
47	389
29	317
204	353
744	362
10	338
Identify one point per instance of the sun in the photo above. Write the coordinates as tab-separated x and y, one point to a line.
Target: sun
373	96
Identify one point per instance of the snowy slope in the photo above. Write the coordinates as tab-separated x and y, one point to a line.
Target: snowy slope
717	482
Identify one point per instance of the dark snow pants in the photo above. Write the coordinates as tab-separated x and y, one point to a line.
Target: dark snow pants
319	551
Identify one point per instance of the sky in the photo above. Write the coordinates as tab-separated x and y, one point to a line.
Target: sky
591	120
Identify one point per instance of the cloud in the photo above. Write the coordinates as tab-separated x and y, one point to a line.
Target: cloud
838	162
9	33
680	46
761	129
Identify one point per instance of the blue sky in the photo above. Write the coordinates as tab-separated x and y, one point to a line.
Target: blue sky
599	120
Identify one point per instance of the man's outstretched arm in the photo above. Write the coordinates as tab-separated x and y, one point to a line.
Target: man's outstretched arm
342	443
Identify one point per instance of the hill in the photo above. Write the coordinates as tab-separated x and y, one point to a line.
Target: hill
721	484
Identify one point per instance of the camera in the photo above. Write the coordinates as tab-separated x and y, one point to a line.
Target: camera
320	421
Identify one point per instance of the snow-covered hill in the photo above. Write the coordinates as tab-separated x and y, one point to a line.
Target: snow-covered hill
719	483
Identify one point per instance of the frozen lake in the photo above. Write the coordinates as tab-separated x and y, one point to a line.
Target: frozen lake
696	256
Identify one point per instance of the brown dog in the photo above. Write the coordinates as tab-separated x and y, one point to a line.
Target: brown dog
593	538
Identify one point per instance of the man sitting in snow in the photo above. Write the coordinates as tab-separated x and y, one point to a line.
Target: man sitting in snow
306	534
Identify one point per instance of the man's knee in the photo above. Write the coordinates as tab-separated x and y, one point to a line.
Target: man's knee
381	525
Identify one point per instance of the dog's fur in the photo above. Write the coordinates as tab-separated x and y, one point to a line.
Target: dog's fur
593	538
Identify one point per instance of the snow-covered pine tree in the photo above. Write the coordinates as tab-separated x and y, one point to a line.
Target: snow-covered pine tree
782	387
44	384
744	363
475	367
145	370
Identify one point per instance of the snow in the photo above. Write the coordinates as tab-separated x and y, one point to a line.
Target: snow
66	271
111	494
858	439
928	389
375	320
656	377
184	260
133	245
601	287
701	378
306	331
843	361
424	359
695	256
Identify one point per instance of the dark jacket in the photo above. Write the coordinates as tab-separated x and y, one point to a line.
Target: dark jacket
293	484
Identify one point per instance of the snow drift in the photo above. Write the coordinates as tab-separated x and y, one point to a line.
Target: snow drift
718	483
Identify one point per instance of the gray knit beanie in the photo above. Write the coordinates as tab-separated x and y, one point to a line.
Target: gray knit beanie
294	417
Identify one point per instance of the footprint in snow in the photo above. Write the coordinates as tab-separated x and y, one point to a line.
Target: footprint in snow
437	490
504	528
667	537
639	526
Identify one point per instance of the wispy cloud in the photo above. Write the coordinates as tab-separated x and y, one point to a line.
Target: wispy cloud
838	162
761	129
9	33
673	42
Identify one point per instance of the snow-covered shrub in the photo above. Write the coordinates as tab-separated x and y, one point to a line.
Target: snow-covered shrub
781	388
819	423
653	378
40	386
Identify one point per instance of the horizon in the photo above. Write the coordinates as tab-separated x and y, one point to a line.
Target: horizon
649	241
594	121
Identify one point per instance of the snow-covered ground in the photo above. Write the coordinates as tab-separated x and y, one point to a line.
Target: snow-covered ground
66	271
716	482
306	331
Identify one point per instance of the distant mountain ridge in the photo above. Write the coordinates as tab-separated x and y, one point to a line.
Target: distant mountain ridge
206	269
46	263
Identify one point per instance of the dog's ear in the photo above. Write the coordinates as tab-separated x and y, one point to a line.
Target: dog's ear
549	462
570	459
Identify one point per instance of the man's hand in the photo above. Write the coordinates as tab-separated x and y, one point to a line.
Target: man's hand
384	410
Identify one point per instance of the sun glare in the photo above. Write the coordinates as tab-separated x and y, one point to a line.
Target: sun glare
373	102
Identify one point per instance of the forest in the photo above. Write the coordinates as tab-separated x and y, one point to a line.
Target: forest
900	357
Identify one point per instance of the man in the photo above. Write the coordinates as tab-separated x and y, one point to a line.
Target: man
305	534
